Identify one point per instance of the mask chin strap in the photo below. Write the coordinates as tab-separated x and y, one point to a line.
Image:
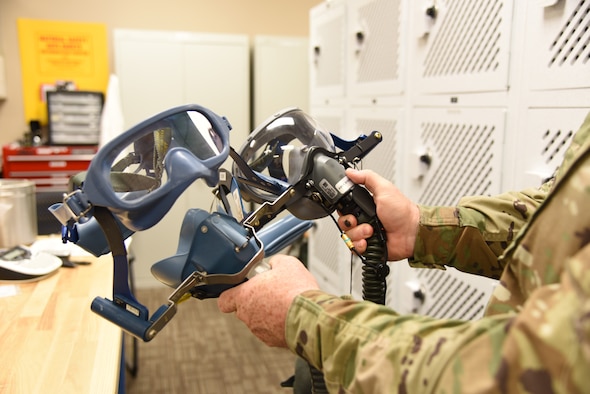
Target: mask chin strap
124	310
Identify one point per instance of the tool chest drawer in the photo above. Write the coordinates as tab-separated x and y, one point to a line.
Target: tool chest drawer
50	167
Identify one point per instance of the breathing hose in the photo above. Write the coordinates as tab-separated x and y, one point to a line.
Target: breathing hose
375	268
374	283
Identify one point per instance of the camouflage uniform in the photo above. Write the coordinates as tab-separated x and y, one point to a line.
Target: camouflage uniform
535	335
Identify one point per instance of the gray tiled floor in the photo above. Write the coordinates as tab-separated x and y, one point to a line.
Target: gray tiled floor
205	351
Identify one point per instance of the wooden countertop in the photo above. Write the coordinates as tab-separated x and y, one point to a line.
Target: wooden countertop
50	340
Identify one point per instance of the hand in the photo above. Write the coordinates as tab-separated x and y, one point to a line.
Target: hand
398	215
262	302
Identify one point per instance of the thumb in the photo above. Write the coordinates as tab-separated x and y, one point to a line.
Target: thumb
227	300
357	176
370	179
364	177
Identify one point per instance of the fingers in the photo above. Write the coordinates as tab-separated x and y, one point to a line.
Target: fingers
274	261
346	222
355	231
226	301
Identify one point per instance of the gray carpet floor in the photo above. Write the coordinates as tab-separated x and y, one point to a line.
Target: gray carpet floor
204	351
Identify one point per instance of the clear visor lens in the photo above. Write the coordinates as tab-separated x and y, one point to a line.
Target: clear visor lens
140	167
278	149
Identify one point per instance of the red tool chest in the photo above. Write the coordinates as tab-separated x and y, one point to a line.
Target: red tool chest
50	167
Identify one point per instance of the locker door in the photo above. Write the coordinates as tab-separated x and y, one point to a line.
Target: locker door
280	75
328	54
465	48
546	137
333	119
328	257
386	160
558	44
376	31
162	69
453	153
222	84
150	77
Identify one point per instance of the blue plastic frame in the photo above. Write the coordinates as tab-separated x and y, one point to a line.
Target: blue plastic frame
144	212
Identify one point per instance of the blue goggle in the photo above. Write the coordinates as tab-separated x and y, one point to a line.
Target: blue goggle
140	174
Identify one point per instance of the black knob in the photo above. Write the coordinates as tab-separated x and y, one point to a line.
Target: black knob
426	158
360	37
431	12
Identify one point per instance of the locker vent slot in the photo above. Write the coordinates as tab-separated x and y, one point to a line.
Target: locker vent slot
572	43
379	60
328	64
326	245
332	124
451	296
468	41
556	142
382	159
462	162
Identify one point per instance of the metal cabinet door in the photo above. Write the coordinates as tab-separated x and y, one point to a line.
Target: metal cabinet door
376	35
328	53
465	47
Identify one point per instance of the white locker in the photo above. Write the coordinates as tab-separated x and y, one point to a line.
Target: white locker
150	76
385	160
548	134
328	53
158	70
448	294
487	95
463	47
280	75
332	119
375	33
454	152
328	257
555	88
558	45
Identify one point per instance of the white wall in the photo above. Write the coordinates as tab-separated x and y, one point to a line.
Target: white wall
251	17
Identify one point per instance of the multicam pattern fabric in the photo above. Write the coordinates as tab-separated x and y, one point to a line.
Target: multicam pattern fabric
535	335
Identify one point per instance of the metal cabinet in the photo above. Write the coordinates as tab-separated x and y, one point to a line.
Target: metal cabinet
461	45
158	70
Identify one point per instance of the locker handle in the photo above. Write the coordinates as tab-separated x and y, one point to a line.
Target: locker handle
360	37
426	159
432	11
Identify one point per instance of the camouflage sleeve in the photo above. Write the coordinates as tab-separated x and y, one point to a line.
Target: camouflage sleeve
481	227
363	347
472	235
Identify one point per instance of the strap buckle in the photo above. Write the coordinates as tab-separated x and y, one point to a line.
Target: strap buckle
75	207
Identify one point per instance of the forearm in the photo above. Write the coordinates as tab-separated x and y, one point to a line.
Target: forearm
367	348
364	347
472	235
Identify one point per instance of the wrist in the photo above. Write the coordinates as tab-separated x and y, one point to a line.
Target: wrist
413	227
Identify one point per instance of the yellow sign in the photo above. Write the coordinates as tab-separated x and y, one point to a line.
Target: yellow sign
53	52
